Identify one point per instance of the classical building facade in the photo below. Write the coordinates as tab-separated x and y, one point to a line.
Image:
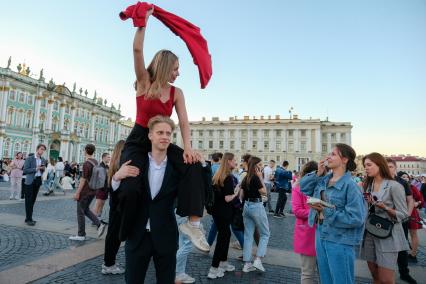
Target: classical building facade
410	164
295	140
34	111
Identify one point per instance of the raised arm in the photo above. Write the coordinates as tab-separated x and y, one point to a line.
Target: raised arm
142	75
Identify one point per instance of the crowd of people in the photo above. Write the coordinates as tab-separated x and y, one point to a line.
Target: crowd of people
158	194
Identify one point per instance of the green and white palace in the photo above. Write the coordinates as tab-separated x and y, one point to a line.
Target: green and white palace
34	111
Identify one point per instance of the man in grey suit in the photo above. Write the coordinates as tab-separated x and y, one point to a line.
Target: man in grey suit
33	169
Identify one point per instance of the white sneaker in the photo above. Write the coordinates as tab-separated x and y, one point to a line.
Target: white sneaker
196	236
248	267
113	269
225	266
236	245
184	278
215	273
101	229
257	263
77	238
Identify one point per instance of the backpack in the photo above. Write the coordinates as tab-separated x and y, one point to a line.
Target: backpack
98	178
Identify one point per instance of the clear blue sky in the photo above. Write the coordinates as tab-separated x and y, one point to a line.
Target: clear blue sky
360	61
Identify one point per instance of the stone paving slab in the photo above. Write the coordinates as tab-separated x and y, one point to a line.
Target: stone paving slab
21	245
197	267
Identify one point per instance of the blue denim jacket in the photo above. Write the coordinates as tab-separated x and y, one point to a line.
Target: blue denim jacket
283	178
345	223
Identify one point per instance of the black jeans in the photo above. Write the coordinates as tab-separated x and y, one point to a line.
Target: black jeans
31	192
403	255
191	188
282	199
223	238
83	209
112	241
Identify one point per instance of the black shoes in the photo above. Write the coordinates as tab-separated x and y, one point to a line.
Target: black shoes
30	222
408	278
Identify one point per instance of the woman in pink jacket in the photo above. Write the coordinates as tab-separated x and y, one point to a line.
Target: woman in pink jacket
304	235
16	176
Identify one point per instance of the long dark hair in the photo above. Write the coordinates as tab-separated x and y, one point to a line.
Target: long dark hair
251	169
380	161
347	152
114	165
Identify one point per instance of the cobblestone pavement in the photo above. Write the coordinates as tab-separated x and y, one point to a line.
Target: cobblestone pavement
21	245
197	267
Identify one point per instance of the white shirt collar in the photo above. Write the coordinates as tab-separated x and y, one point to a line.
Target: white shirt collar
154	163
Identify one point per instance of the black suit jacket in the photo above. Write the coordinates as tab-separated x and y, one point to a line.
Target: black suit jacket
160	212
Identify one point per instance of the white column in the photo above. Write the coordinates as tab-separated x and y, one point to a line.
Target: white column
73	113
1	145
77	158
92	128
318	138
4	91
61	117
36	120
49	115
64	149
349	138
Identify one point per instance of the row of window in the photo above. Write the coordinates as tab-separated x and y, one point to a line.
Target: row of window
409	166
21	97
10	148
254	145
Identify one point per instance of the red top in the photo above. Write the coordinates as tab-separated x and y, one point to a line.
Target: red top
188	32
148	108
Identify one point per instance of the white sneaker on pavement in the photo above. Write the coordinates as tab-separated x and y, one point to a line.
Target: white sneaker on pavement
215	273
101	229
257	263
248	267
77	238
113	269
184	278
196	236
224	265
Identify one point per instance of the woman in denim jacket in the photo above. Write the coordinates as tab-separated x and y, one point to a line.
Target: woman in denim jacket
386	198
339	227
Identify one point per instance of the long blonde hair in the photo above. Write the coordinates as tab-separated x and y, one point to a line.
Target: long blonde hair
224	170
159	71
114	165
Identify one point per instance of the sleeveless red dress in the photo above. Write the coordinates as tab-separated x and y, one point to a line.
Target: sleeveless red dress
148	108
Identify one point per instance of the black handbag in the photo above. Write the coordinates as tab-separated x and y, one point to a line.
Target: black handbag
237	222
379	227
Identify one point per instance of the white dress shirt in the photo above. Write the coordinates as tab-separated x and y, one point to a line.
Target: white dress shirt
38	161
155	178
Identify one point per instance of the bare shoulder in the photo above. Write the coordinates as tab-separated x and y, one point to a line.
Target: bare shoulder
178	94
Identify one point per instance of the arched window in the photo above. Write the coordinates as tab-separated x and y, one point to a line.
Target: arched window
12	95
22	98
6	148
43	103
101	135
66	124
55	124
42	123
96	134
20	118
9	116
28	120
17	148
56	106
26	148
76	128
30	100
86	131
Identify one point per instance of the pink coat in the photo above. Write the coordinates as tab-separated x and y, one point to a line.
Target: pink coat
304	236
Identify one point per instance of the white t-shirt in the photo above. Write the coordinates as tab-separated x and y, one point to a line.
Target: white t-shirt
267	173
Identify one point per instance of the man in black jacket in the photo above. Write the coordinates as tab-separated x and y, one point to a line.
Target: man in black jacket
155	233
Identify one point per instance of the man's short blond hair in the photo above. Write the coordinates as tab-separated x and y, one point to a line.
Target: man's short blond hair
161	119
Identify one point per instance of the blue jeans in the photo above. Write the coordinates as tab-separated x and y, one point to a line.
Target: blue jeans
239	235
336	262
185	247
254	216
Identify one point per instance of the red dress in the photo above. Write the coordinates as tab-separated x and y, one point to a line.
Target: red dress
415	217
148	108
